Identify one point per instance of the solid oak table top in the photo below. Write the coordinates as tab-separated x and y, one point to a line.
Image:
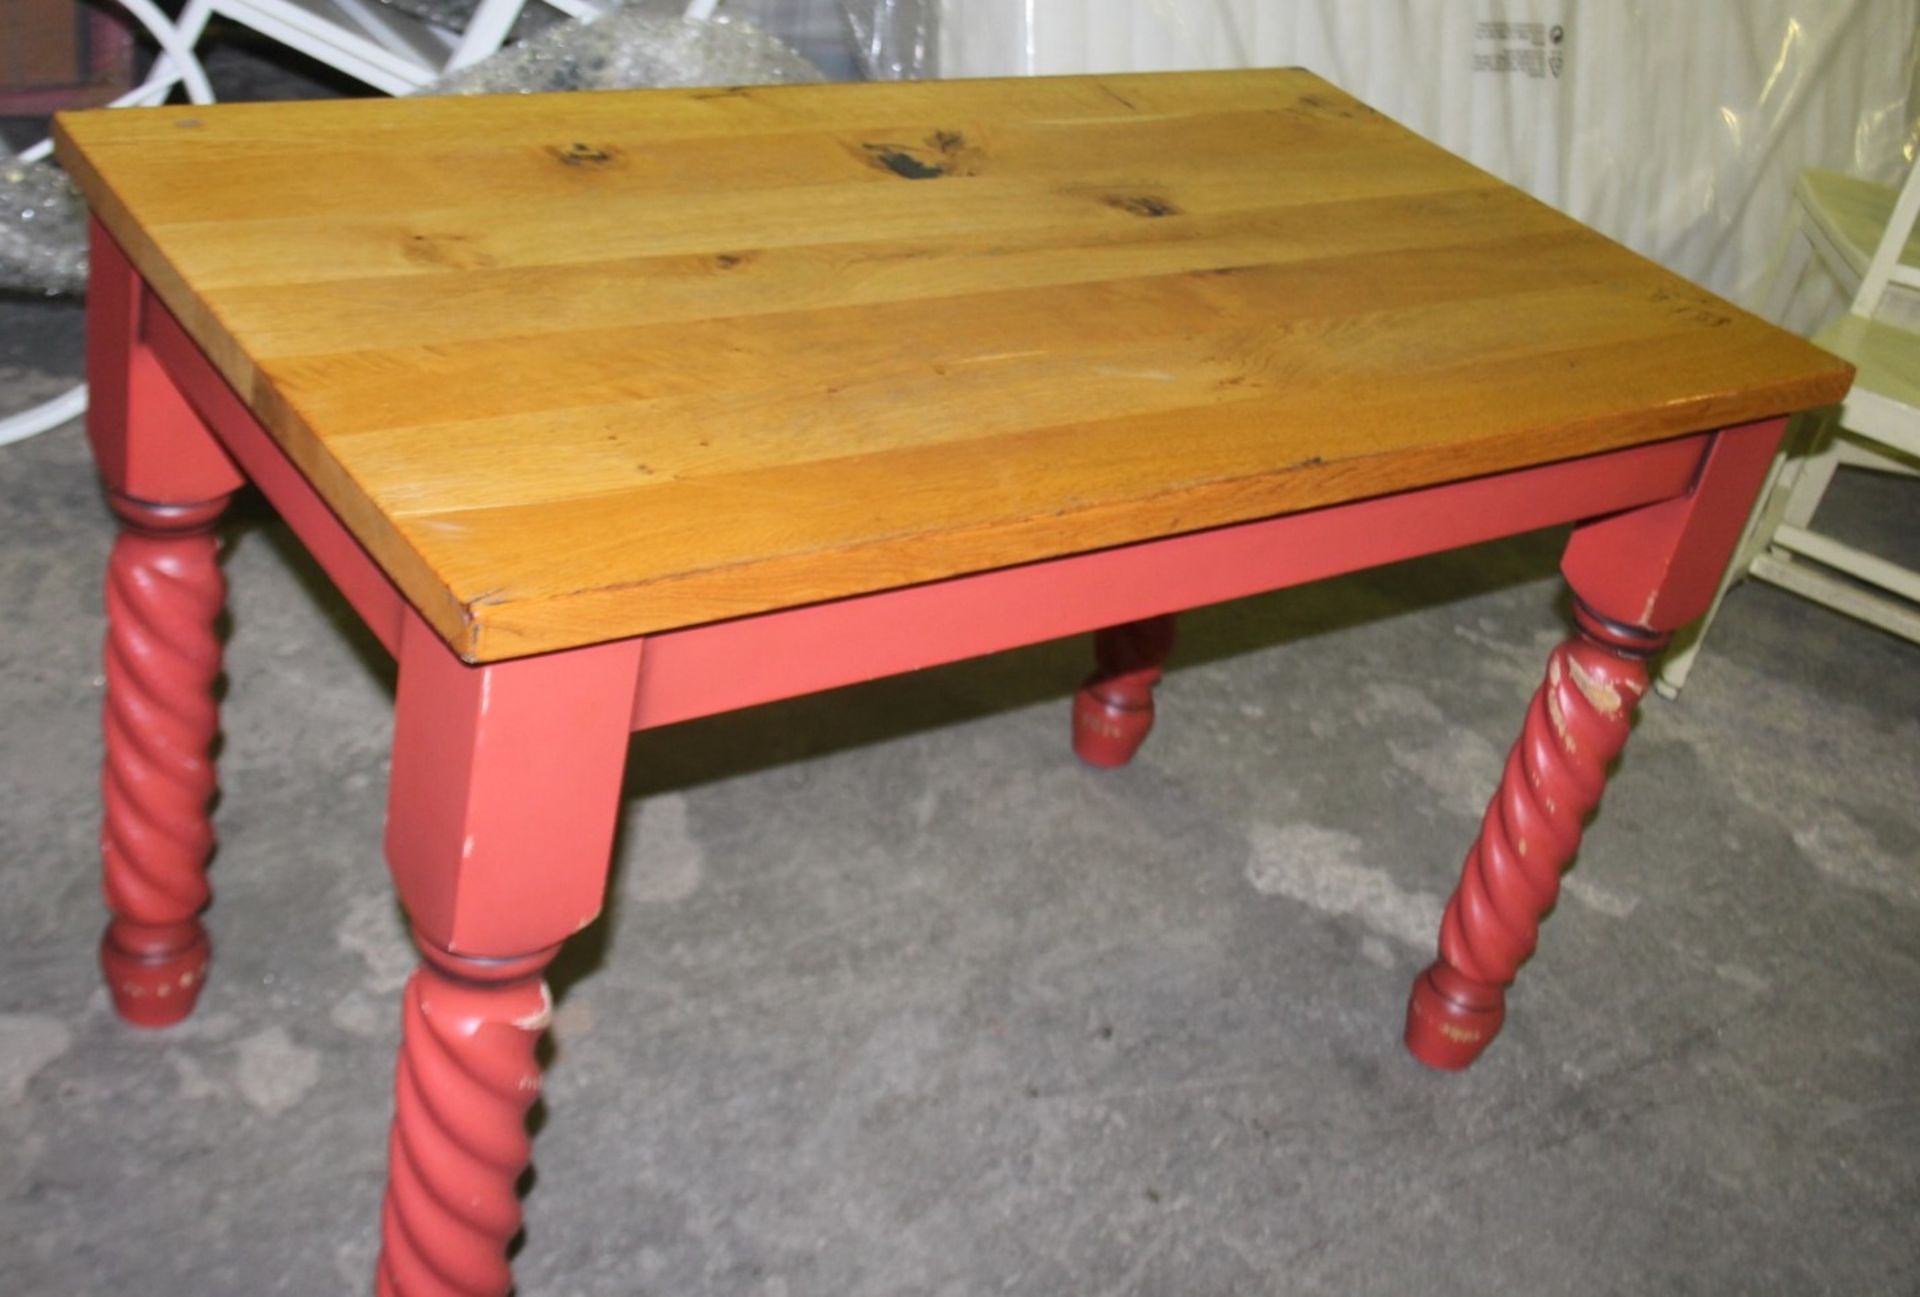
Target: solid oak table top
581	367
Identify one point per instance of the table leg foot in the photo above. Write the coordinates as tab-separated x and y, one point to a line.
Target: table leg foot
1451	1018
466	1078
164	595
1575	726
1113	711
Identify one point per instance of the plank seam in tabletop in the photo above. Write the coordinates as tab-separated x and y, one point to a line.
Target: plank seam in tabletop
888	334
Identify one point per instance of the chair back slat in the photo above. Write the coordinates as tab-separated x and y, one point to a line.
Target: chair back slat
1886	266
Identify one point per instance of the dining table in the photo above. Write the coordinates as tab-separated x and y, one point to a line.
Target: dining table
608	411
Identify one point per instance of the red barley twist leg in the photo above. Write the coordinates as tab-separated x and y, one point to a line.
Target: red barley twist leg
466	1078
1554	775
164	594
1114	709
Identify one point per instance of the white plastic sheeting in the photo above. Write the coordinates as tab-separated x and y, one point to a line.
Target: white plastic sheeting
1675	126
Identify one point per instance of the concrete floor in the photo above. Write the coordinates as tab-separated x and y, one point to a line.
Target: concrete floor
894	997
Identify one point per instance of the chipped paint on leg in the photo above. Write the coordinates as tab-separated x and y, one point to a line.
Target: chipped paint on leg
1601	694
538	1021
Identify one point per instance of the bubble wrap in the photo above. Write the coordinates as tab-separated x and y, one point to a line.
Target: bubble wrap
43	229
630	48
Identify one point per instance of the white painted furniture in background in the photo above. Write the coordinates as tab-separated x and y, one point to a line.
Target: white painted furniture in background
1876	427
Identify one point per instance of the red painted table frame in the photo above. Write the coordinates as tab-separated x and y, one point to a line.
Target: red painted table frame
506	776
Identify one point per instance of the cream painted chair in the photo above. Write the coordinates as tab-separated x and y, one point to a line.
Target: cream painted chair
1841	219
1876	427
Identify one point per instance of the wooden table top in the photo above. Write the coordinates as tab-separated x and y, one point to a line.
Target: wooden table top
581	367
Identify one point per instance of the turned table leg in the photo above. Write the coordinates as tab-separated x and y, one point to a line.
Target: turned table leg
501	811
1113	710
465	1080
1636	576
164	593
1577	723
167	480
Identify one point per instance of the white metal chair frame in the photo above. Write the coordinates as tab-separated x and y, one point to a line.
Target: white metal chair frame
1875	426
389	50
177	66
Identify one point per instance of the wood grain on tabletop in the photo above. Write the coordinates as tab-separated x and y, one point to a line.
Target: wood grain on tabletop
587	366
